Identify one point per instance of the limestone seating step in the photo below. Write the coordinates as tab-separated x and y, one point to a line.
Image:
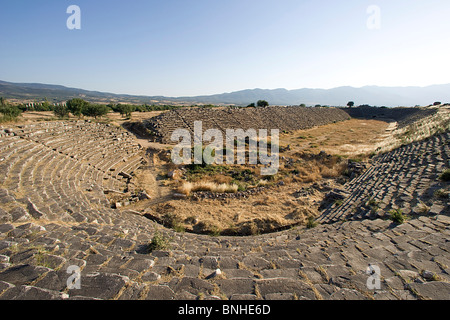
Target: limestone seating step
393	180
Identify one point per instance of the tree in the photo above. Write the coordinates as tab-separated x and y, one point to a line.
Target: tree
437	103
262	103
61	111
95	110
45	104
303	105
125	109
351	104
251	105
76	106
3	102
8	111
11	112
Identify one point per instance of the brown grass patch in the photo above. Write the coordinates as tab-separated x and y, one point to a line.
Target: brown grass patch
207	186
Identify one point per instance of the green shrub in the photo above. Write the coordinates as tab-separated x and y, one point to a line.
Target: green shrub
95	110
76	106
159	242
126	109
9	112
445	176
262	103
440	194
397	216
61	111
311	223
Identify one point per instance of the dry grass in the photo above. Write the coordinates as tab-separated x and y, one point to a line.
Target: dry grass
208	186
346	138
313	170
419	130
276	207
334	171
265	201
261	213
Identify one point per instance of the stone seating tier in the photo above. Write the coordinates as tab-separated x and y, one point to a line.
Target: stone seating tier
282	118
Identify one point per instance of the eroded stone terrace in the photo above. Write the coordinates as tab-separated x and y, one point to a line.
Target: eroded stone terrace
282	118
405	179
49	221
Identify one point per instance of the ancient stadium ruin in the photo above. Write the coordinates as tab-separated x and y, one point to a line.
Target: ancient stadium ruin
91	198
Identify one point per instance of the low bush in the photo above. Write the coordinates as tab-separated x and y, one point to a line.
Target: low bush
445	176
311	223
397	216
9	112
159	242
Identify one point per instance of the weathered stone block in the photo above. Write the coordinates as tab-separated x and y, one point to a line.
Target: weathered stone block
22	274
236	286
161	292
100	285
280	285
32	293
431	290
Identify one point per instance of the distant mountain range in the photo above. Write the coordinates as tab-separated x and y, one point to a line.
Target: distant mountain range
371	95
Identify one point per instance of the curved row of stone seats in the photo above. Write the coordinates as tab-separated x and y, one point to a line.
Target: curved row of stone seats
54	182
405	179
168	122
103	147
327	262
103	140
404	116
282	118
44	182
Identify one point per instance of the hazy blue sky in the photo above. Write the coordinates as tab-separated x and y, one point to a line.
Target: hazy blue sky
194	47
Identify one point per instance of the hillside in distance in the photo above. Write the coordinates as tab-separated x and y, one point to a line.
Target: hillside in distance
371	95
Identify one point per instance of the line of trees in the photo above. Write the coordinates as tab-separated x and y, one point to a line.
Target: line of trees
127	109
79	107
259	104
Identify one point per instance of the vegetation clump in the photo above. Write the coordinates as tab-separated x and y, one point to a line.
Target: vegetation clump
397	216
159	242
8	112
311	223
445	176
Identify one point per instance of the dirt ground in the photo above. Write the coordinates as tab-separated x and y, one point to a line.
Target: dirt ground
349	138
